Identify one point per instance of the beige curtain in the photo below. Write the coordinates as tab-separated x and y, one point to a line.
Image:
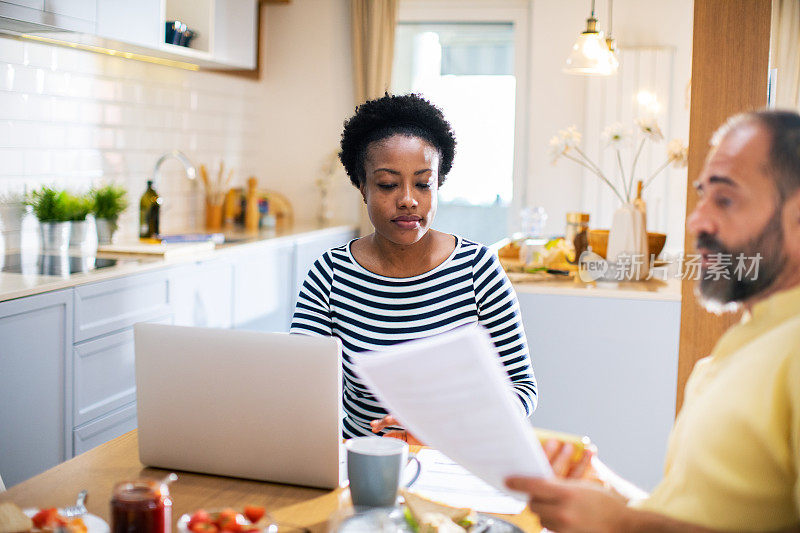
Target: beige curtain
784	52
373	23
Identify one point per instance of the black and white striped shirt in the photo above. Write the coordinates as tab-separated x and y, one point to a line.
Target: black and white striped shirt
367	312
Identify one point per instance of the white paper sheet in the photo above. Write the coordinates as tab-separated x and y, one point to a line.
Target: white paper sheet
452	393
443	480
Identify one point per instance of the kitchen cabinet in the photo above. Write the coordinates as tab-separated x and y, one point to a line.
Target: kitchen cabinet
83	10
201	294
48	15
607	368
262	286
226	30
67	381
112	305
104	381
310	248
35	378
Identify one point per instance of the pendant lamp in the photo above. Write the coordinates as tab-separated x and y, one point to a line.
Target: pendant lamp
591	53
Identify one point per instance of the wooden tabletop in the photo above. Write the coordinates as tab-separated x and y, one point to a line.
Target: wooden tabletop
99	469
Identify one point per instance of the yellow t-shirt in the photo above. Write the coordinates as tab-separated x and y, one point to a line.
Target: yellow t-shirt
733	460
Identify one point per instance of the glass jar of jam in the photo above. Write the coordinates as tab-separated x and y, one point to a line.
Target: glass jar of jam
141	506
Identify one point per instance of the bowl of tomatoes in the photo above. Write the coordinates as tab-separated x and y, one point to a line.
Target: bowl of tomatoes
251	519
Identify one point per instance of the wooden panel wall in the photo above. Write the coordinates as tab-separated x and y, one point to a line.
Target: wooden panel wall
730	61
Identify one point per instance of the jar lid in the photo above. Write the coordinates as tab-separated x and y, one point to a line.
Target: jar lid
577	218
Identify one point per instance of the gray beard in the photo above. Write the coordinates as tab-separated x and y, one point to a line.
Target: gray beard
724	295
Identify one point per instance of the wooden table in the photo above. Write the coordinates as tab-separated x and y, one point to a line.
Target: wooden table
99	469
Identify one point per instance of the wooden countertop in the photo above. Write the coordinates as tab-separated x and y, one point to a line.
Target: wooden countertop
117	460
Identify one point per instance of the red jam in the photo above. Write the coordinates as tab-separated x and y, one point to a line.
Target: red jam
141	506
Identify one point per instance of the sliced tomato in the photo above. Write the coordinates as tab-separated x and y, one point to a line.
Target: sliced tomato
203	527
254	513
226	520
48	518
199	516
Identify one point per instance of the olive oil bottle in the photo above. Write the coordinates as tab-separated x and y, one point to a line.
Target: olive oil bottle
149	208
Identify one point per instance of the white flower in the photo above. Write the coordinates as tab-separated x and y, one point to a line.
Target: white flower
615	135
649	127
571	136
557	148
677	153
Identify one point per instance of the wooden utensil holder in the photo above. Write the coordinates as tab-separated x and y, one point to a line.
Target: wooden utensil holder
213	216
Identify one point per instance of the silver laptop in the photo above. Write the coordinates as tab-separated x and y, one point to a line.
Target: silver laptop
239	403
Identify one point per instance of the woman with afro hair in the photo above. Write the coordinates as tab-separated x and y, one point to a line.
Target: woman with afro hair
405	280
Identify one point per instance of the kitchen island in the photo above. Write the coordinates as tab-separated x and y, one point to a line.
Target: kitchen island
605	356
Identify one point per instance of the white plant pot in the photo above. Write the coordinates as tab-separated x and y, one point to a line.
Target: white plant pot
627	244
105	230
55	236
77	237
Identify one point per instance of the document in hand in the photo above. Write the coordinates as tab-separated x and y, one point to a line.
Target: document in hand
452	392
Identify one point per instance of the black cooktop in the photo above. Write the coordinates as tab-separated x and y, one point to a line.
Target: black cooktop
54	264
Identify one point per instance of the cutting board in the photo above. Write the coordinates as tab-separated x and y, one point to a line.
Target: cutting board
156	249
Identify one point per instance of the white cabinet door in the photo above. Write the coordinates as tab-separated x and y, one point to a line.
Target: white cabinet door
138	22
78	9
310	247
236	33
117	304
607	368
104	429
33	4
262	287
35	407
201	294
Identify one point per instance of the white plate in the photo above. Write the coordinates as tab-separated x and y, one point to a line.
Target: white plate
94	523
393	519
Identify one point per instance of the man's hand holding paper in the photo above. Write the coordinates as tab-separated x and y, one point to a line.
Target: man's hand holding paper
470	415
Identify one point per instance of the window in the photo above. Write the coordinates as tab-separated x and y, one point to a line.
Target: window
466	62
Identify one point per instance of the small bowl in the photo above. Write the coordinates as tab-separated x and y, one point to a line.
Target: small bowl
598	240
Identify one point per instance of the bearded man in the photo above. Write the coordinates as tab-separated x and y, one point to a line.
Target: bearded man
733	461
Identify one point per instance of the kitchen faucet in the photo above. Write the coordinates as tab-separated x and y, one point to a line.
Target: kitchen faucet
191	173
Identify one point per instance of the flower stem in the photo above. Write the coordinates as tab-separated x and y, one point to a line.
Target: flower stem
622	175
633	167
597	173
596	169
656	173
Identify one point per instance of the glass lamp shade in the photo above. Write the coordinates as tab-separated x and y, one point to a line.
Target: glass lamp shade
590	55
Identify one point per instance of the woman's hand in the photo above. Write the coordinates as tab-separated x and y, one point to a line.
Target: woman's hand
565	465
389	420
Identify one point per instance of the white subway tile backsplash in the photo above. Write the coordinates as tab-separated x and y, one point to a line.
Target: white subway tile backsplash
11	162
11	50
14	105
56	83
39	108
90	112
71	118
36	162
112	115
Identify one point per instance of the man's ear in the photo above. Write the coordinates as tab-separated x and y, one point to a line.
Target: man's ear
791	223
363	190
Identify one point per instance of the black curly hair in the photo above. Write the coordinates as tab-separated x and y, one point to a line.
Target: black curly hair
406	114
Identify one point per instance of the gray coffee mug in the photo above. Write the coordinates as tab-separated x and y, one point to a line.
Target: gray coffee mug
374	467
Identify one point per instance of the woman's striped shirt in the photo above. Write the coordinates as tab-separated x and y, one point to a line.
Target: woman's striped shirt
368	312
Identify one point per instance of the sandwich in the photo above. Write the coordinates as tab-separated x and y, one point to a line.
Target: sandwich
428	516
13	520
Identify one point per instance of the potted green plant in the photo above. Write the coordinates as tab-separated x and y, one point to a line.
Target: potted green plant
50	207
109	201
78	207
